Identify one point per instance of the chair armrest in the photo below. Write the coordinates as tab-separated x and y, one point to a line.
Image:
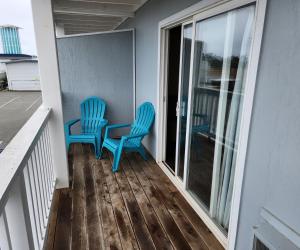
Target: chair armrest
103	123
127	137
72	122
118	126
114	126
69	124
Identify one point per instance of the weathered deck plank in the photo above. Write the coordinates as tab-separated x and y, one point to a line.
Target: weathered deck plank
63	227
126	232
105	210
52	221
165	184
93	225
158	234
78	224
162	212
135	208
140	228
188	231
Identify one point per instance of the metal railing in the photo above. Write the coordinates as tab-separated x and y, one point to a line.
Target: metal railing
27	182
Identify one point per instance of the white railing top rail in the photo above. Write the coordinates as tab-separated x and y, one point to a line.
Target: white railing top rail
15	155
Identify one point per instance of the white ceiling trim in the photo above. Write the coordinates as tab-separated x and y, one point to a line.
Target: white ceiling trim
93	15
124	2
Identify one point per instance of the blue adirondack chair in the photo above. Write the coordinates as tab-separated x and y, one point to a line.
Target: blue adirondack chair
92	122
132	142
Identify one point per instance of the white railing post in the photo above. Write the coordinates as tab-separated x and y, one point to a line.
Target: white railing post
5	242
16	210
50	85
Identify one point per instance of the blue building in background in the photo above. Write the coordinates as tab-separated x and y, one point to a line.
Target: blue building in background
23	68
10	40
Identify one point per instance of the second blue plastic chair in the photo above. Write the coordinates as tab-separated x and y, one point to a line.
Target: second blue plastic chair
132	142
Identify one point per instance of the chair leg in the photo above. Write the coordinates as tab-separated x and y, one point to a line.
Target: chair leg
67	140
117	157
142	152
97	149
101	152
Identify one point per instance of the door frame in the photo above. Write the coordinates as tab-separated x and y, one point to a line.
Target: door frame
165	90
205	9
165	99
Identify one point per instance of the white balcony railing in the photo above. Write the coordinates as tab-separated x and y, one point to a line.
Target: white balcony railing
26	185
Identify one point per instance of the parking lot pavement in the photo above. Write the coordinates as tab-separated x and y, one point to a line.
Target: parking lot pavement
15	109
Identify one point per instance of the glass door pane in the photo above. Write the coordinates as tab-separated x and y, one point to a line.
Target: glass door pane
222	45
207	72
184	91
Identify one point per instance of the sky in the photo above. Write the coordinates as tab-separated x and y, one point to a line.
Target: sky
18	13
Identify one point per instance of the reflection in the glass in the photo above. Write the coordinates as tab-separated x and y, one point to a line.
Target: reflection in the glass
222	45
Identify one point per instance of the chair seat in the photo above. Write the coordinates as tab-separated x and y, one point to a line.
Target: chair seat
114	143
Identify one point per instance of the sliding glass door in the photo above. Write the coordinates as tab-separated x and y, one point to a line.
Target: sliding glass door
220	59
206	70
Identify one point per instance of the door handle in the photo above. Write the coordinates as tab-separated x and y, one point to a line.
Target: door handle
180	109
183	109
177	109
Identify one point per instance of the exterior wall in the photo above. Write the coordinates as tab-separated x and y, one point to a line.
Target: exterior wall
97	65
2	70
146	26
23	76
272	170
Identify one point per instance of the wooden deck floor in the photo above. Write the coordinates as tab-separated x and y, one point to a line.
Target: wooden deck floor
136	208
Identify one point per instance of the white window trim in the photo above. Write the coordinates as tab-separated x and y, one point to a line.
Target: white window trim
207	8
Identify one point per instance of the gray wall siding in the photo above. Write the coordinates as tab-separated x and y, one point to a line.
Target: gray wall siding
97	65
272	174
146	25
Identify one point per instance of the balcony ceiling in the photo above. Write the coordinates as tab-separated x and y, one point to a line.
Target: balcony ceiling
84	16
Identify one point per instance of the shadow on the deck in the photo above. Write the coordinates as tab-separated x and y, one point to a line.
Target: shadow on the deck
138	207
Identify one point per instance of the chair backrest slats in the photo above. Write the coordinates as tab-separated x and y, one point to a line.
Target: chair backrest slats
92	111
143	122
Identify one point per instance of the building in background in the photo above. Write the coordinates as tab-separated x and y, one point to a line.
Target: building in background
18	71
10	40
23	75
